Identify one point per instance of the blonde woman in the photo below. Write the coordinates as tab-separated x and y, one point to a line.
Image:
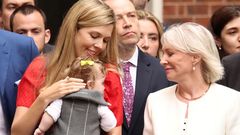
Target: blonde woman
151	31
196	105
87	31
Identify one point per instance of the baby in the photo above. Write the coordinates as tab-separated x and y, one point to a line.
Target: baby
80	111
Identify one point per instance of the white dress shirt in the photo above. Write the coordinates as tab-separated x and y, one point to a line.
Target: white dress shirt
133	69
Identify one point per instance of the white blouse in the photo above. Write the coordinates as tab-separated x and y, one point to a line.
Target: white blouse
215	113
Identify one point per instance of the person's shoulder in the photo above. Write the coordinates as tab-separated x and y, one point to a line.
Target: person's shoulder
41	59
149	60
16	40
38	63
112	69
225	96
224	91
12	36
163	93
231	58
48	48
148	57
5	33
112	72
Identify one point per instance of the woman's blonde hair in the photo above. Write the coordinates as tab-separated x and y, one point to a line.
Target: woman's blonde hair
195	39
84	13
145	15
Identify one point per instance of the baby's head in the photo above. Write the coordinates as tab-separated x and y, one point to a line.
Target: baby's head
91	71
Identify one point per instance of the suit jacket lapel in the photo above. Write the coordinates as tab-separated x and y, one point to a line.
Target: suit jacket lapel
142	86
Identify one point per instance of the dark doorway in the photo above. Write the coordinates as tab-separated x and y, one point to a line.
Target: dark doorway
55	11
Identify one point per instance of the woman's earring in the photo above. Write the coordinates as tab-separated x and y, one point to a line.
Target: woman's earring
194	68
218	44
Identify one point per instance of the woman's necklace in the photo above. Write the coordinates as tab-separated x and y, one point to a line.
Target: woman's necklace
185	122
191	99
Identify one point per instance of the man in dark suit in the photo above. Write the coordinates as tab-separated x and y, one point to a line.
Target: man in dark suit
146	72
16	52
231	65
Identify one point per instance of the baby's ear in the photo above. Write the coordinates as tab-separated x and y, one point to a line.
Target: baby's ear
90	84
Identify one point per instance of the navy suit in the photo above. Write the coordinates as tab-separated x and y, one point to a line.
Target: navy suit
16	53
231	65
150	78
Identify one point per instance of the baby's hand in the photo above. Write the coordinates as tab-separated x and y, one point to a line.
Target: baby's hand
38	132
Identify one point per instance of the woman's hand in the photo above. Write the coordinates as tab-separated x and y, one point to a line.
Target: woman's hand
61	88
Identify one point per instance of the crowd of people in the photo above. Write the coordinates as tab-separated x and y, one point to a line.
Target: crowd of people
113	70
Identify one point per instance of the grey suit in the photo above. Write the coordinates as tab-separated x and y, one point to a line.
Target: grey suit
231	65
48	48
150	78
